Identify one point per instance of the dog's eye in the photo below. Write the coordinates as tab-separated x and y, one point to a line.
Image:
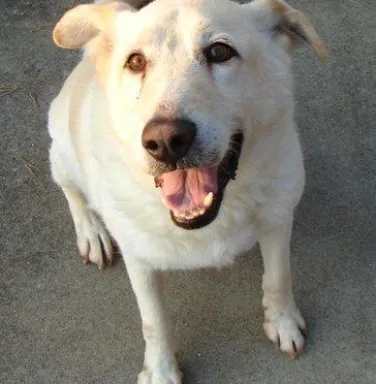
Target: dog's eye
219	53
136	62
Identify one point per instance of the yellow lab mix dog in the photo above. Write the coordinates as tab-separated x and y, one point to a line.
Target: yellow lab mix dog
175	136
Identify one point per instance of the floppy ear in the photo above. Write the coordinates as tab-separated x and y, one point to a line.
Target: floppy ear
82	23
287	24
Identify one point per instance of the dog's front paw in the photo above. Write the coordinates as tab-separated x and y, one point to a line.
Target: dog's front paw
165	371
285	328
93	240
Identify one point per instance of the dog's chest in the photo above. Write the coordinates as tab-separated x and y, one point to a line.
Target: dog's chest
143	228
208	247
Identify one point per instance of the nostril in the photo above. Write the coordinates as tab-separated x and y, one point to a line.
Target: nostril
176	142
151	145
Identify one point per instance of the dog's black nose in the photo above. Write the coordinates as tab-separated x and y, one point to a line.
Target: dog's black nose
168	140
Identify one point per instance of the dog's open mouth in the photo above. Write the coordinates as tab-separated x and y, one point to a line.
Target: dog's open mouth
194	195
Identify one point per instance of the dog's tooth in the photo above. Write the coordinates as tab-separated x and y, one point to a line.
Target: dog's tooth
208	200
179	214
195	212
201	211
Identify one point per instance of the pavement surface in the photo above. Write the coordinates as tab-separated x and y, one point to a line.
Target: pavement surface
65	323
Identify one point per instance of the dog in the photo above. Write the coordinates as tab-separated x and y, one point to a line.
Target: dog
175	137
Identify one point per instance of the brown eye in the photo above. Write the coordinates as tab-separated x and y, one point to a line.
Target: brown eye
219	53
136	62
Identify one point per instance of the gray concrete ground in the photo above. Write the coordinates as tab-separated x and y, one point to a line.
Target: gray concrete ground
63	322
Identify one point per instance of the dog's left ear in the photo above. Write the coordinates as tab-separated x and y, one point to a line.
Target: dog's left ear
288	25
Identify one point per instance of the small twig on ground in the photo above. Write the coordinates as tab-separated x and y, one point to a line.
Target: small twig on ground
32	98
42	28
4	91
30	167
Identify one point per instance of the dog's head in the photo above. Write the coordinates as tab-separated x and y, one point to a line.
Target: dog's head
187	82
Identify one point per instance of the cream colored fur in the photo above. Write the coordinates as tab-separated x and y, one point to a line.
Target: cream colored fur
97	158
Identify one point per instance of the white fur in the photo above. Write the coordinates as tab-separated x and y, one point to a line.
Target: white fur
97	158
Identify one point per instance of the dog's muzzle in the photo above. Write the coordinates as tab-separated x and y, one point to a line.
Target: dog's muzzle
193	194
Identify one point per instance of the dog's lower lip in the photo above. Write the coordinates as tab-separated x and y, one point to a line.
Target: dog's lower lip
197	211
202	220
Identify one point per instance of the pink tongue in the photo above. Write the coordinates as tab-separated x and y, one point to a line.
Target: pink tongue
186	190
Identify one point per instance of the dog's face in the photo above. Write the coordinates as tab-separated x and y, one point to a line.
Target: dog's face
186	83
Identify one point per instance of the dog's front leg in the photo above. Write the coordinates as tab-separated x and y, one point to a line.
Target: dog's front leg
284	325
160	365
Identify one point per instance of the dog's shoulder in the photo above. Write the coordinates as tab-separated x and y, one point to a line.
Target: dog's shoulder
71	95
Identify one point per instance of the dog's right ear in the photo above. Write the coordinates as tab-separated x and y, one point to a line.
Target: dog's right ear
82	23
